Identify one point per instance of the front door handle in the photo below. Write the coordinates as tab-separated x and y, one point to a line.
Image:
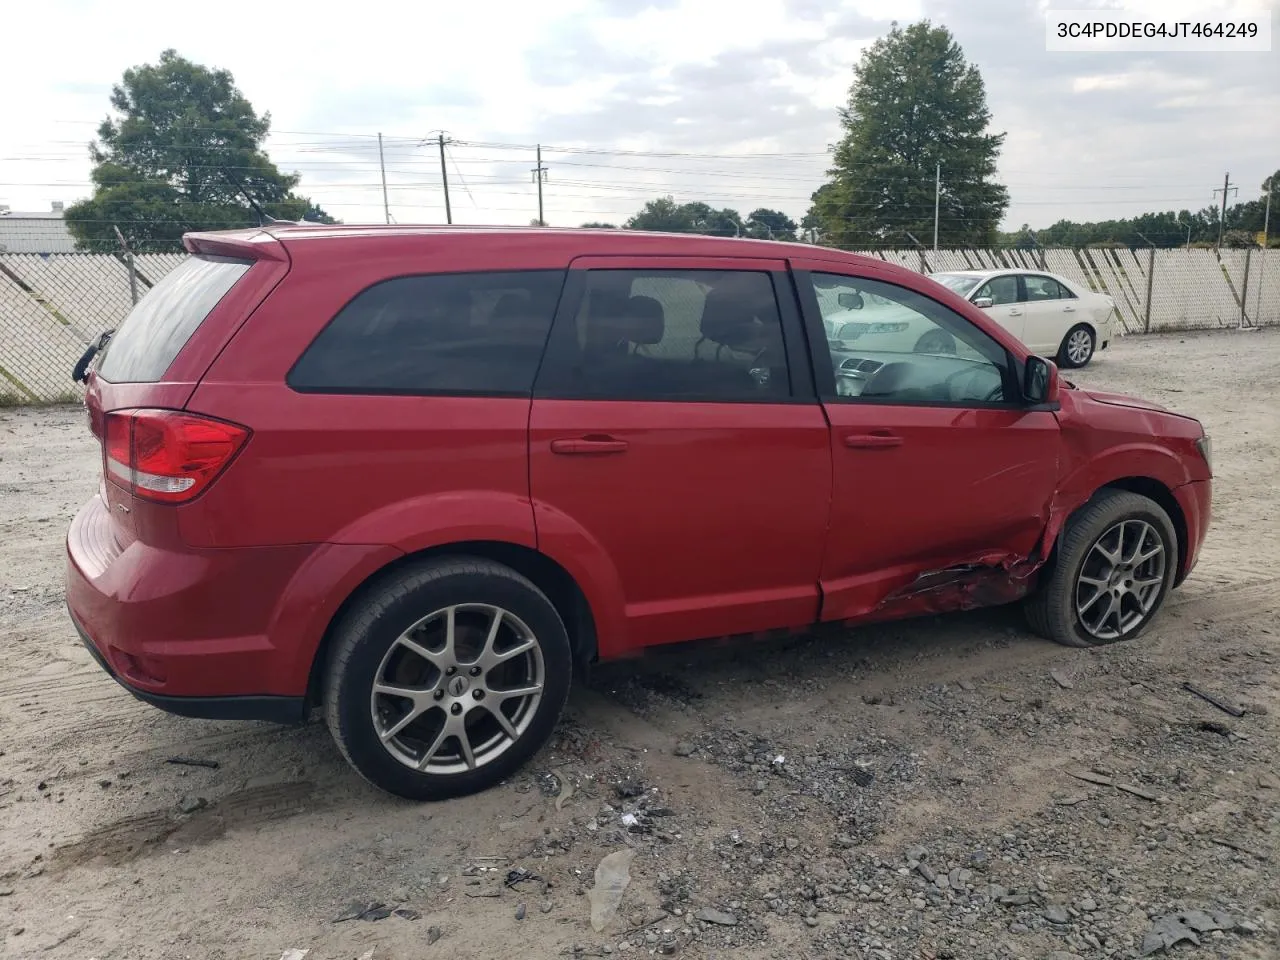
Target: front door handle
588	446
1015	312
872	441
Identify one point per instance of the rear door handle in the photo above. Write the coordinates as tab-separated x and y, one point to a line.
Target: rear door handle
1068	309
587	446
872	441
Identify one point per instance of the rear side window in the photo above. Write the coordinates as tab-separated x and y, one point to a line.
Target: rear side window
682	335
456	334
163	321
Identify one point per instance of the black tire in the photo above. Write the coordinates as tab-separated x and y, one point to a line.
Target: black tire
935	341
1064	357
372	627
1051	610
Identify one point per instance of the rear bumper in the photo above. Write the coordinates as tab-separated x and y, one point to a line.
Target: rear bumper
194	632
273	709
1196	501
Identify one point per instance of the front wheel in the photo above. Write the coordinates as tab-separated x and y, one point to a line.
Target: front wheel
446	679
1116	562
1077	347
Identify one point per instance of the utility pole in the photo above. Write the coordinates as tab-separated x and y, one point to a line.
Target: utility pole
937	197
444	177
1266	216
1178	221
382	165
128	260
539	176
1266	243
1222	217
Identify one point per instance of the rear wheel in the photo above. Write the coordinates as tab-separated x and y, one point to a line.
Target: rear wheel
447	679
1116	562
1077	347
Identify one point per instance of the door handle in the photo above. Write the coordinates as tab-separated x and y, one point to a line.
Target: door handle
1068	309
588	446
872	441
1015	312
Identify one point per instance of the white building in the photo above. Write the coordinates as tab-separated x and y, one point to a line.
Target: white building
35	232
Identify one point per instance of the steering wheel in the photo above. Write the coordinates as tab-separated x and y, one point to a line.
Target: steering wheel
994	395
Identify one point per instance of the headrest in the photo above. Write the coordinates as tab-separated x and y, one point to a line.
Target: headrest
729	317
646	318
613	320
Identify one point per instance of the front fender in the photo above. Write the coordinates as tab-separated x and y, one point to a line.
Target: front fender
1138	459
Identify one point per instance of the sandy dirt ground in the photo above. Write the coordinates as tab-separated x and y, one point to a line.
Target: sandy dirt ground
940	788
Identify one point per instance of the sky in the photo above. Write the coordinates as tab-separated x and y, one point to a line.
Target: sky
731	102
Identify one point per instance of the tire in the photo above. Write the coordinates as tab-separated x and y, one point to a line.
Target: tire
935	341
370	645
1075	342
1063	608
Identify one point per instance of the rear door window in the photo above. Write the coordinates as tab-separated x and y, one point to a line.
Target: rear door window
467	334
162	322
680	335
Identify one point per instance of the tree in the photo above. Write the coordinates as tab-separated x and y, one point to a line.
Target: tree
915	102
667	216
598	225
184	150
770	225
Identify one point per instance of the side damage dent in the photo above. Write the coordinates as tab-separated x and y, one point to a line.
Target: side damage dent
989	580
986	582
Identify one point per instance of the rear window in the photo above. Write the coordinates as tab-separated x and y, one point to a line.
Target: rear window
460	334
161	323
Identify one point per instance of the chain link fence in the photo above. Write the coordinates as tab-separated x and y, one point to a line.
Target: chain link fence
52	306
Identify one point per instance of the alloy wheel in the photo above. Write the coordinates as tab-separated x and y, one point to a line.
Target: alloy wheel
457	689
1080	346
1121	579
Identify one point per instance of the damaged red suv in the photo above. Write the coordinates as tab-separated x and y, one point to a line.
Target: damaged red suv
416	478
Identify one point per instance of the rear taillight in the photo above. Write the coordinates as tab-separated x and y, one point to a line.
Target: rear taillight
165	455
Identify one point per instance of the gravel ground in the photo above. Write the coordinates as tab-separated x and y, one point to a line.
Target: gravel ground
941	788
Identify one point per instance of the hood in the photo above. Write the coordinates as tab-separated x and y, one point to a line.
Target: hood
1120	400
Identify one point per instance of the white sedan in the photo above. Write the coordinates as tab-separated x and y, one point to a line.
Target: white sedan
1053	316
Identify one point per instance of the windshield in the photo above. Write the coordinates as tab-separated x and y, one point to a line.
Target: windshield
956	282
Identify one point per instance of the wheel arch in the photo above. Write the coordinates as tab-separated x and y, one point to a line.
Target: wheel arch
1147	487
545	573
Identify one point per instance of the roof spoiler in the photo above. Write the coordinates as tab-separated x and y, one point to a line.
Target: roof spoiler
246	244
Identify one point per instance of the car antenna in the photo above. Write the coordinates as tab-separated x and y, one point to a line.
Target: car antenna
262	216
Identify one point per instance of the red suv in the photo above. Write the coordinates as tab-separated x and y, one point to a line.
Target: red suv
416	477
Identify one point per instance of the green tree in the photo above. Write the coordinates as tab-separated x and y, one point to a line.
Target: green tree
181	154
599	224
667	216
663	215
915	102
770	225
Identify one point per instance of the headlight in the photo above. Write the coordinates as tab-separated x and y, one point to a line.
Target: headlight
1205	446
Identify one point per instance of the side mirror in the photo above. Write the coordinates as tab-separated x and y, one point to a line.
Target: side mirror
850	301
1040	382
982	302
